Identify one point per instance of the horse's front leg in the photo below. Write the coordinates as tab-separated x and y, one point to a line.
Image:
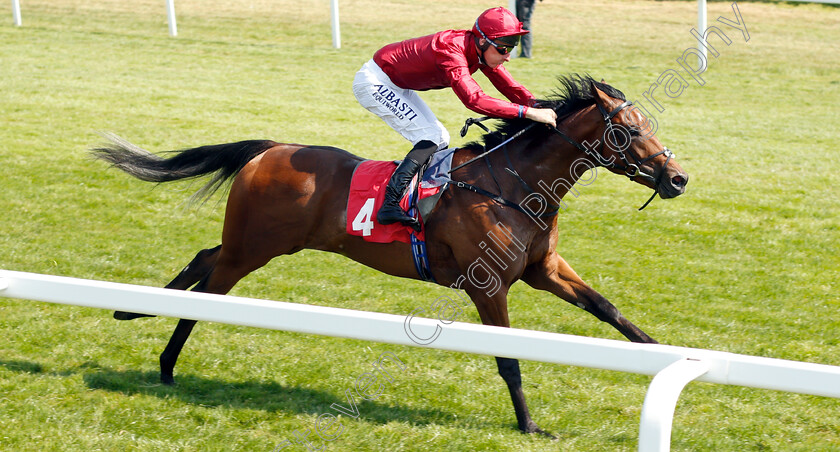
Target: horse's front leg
493	311
554	275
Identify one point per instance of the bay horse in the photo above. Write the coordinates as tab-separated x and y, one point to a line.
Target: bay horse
287	197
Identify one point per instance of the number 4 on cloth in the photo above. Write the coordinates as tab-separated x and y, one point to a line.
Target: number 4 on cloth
364	219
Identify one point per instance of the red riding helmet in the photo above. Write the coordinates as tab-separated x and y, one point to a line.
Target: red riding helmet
498	23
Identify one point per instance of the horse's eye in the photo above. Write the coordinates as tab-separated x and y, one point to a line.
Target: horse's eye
634	132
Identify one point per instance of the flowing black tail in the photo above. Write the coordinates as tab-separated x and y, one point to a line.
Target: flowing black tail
225	160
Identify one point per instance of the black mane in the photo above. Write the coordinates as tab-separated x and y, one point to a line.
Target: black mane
575	92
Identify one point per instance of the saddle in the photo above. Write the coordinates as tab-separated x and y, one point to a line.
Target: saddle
367	193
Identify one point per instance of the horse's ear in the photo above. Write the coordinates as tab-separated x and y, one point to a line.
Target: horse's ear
594	88
603	81
597	93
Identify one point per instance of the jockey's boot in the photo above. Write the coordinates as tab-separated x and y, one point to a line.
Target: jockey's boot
391	212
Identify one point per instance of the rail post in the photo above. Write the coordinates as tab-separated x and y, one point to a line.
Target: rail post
16	12
661	400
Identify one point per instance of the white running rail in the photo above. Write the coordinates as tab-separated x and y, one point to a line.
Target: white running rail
673	367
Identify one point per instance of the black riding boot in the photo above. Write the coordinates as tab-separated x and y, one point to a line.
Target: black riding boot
391	212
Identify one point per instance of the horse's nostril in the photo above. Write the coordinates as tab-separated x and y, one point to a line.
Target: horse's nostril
679	181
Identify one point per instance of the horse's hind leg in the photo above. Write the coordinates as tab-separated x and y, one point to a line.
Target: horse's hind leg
199	267
170	354
220	279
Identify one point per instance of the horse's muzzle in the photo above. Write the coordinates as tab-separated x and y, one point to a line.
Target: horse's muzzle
673	185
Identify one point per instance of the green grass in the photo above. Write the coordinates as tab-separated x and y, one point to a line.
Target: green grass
746	261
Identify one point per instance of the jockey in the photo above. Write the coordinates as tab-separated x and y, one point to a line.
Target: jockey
387	86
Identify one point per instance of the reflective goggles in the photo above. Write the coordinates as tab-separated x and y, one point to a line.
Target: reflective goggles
501	48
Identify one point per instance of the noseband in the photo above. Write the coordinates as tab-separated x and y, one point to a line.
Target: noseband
630	169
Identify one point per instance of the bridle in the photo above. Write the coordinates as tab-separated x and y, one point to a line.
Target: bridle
630	169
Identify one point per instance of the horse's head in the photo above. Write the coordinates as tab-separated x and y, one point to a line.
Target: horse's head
596	119
628	145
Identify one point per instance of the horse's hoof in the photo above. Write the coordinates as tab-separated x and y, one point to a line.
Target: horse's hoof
120	315
534	428
168	380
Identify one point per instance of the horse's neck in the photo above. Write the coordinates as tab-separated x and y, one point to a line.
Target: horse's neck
558	164
552	172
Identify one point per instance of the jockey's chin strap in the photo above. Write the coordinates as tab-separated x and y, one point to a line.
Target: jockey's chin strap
631	170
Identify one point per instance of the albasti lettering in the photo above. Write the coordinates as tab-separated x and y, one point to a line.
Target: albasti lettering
328	426
390	100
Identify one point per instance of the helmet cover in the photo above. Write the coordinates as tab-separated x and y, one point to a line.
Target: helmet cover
499	23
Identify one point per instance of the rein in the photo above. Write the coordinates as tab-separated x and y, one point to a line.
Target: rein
477	121
509	168
631	170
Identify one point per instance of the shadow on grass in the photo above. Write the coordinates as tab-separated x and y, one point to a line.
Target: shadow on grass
252	394
22	366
